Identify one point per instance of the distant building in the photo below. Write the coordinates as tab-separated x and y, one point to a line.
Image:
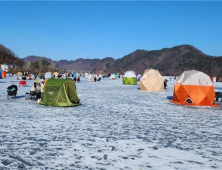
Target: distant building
4	67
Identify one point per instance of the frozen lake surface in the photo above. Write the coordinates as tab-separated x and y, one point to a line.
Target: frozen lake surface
117	127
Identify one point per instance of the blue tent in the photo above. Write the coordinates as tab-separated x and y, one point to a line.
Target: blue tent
0	74
74	74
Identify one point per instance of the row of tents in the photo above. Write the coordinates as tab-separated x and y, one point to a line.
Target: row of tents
48	75
151	80
89	76
191	88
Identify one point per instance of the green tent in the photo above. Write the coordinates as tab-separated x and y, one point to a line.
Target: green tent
60	92
130	78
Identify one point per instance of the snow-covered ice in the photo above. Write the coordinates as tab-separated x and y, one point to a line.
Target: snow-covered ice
117	127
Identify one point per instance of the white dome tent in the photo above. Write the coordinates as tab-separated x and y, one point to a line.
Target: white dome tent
48	75
129	74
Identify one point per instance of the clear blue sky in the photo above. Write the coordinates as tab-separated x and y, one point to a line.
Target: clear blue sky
71	30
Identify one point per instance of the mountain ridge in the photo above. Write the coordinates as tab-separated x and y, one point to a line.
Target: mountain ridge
169	61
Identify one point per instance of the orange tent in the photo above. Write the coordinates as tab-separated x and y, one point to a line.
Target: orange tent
3	74
194	88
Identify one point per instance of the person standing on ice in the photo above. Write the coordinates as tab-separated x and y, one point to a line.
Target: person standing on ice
33	89
42	86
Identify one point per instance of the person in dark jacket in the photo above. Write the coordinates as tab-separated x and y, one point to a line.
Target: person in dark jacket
78	79
165	83
99	79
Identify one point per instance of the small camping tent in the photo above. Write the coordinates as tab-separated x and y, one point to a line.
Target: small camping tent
60	92
0	74
152	80
112	76
4	67
48	75
55	74
194	88
90	77
129	78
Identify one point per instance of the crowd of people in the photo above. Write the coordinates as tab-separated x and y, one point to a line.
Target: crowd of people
37	88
